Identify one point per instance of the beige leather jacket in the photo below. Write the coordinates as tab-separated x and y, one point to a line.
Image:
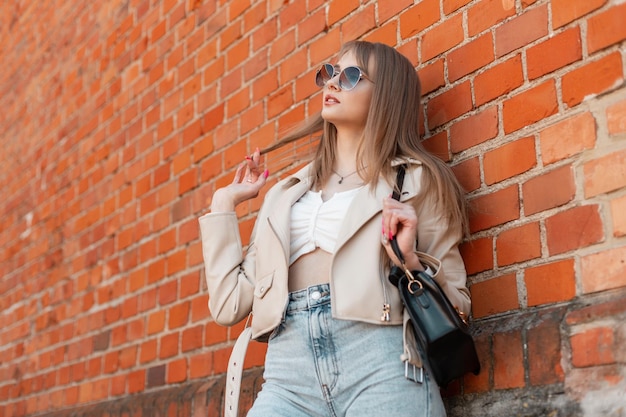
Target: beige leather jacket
257	280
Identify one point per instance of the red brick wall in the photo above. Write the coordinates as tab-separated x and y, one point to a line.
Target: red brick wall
121	117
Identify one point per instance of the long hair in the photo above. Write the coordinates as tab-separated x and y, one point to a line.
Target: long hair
391	131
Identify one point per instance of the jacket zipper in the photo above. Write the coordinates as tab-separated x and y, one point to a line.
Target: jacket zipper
386	313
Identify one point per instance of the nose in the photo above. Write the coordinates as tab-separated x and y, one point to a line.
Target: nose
333	83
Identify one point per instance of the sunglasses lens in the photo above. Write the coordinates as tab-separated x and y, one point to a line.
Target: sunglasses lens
324	74
349	78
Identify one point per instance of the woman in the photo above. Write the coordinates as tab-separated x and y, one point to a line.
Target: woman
315	273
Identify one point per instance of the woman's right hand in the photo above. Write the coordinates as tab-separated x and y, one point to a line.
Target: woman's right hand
247	183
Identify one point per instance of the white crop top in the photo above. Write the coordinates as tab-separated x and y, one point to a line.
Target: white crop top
315	223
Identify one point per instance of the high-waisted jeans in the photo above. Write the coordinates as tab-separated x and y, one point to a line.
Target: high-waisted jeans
320	366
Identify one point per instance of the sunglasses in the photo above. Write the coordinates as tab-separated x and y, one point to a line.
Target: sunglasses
349	77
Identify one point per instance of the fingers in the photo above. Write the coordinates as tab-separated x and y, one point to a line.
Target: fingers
399	221
396	214
239	173
253	170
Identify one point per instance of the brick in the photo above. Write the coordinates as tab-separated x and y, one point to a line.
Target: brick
468	174
544	349
321	49
606	29
359	23
592	79
168	345
438	146
441	38
498	80
474	130
604	270
279	102
338	9
215	334
177	371
616	118
530	106
311	26
509	160
601	309
200	365
470	57
431	76
487	13
508	356
518	244
549	190
618	215
192	338
390	8
156	322
419	17
553	54
605	174
156	376
497	295
387	34
522	30
450	6
592	347
550	283
449	105
136	381
495	208
178	315
572	229
478	255
580	130
566	11
168	291
148	351
176	261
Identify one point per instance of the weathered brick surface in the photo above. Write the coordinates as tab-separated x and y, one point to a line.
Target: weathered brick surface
120	119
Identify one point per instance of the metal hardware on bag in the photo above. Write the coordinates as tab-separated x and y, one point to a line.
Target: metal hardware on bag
462	315
417	377
412	281
386	311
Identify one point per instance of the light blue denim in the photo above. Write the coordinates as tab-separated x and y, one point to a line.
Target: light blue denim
320	366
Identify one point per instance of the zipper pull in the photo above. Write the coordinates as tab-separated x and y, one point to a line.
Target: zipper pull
386	311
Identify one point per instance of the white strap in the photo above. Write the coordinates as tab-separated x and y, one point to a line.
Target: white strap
234	373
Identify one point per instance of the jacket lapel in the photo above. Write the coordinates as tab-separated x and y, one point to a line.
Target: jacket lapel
368	203
280	217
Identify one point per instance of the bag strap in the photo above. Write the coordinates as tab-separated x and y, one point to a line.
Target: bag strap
234	373
397	191
414	285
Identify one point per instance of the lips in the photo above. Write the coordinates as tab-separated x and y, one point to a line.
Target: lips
329	99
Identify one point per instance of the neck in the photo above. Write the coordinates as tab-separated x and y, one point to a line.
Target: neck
347	145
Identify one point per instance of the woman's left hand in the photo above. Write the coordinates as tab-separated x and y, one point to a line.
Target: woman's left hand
400	221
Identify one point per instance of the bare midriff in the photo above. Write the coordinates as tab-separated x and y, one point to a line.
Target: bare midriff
310	269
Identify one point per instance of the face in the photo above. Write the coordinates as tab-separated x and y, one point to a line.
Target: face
347	108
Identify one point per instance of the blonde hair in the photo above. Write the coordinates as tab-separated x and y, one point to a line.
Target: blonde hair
391	131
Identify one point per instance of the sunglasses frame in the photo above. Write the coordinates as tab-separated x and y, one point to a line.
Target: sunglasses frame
343	81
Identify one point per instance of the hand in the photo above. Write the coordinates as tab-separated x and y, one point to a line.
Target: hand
400	221
247	183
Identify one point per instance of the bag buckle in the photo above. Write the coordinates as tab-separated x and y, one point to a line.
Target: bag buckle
415	375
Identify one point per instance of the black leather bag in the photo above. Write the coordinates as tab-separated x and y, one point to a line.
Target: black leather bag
440	329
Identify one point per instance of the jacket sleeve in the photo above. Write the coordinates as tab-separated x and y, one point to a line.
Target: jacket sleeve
440	240
229	275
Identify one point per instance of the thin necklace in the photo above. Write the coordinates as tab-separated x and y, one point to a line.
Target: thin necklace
342	177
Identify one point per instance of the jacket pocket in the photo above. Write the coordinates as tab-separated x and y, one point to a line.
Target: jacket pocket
263	285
